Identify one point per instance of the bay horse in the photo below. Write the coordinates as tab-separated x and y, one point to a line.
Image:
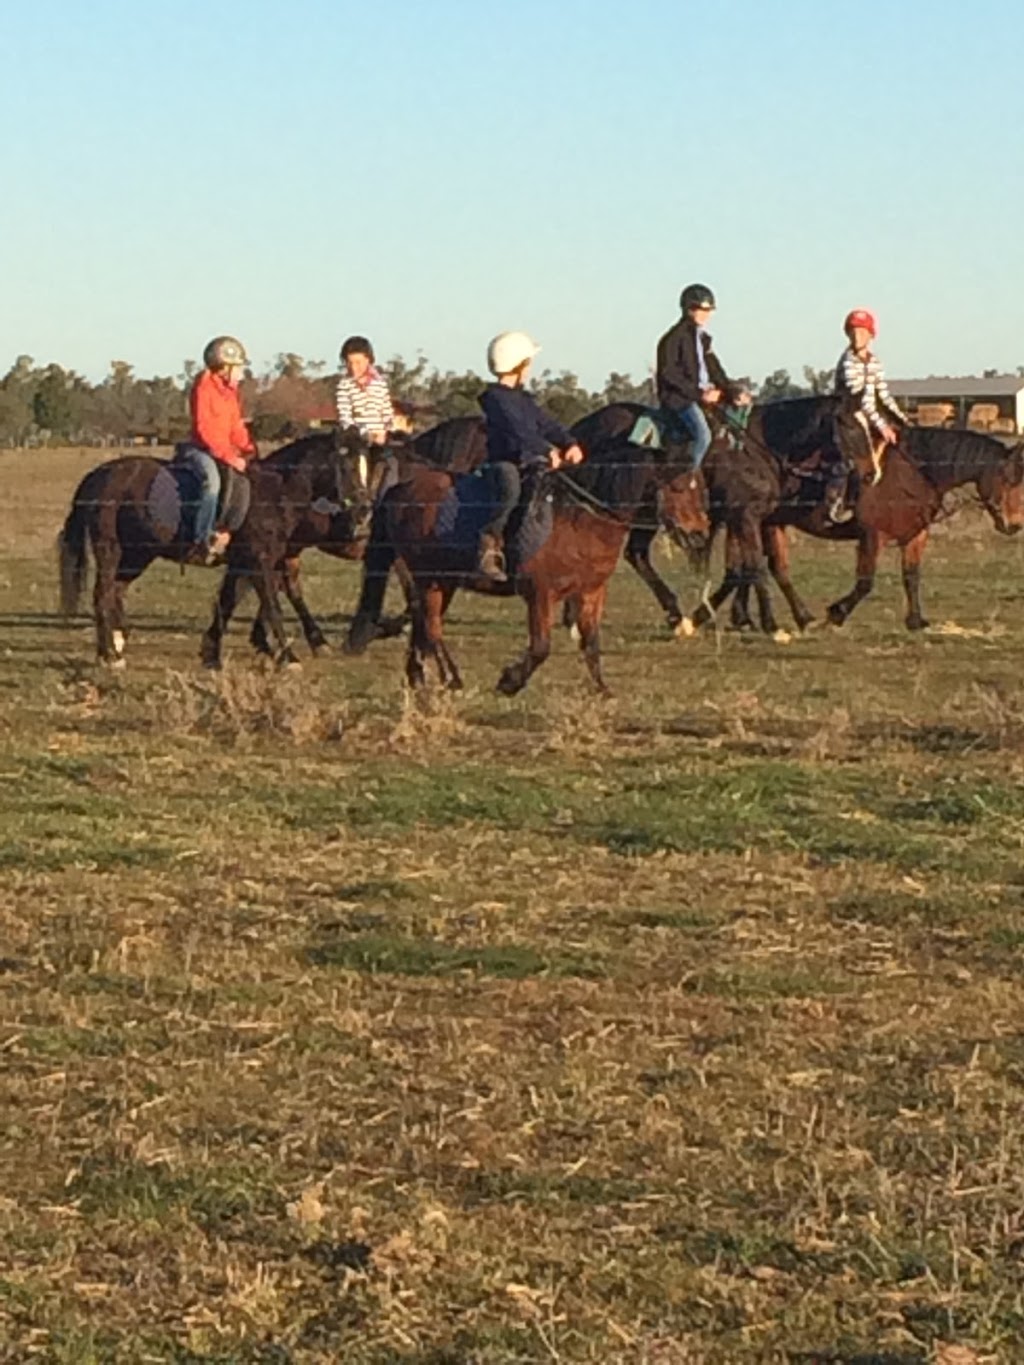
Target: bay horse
773	478
458	444
315	489
592	508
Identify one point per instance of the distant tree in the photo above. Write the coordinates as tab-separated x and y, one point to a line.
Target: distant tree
819	381
563	396
622	388
990	374
779	384
54	404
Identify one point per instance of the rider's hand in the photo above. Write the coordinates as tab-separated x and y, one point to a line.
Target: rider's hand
891	435
554	457
711	396
378	438
572	455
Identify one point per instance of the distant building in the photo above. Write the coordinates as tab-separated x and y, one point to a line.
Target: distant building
993	404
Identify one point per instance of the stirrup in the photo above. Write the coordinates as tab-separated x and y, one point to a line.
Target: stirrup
491	565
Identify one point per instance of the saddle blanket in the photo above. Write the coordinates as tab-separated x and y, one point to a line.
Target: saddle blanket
468	507
174	499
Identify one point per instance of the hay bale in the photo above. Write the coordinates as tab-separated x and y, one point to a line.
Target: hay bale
935	414
982	415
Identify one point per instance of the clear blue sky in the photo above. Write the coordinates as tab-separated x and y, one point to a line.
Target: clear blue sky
431	173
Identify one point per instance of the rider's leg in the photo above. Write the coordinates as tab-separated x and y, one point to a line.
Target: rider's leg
695	424
835	491
506	489
207	475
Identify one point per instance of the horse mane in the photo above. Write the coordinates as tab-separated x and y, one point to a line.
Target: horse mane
799	425
953	453
610	475
285	459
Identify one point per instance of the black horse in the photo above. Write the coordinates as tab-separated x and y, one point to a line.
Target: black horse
129	511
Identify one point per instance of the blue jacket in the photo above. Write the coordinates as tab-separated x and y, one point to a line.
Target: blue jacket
518	428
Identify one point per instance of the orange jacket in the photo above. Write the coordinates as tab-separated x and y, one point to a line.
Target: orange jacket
217	423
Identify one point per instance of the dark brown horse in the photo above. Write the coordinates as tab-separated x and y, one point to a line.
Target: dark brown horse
458	444
775	476
317	489
593	506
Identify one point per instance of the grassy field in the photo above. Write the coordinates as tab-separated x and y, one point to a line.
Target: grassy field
686	1027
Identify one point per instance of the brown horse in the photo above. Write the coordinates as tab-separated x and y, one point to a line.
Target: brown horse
593	506
128	510
774	477
900	508
458	444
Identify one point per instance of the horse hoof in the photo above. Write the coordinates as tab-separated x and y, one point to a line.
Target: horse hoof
321	649
917	623
782	637
685	629
836	617
509	684
117	665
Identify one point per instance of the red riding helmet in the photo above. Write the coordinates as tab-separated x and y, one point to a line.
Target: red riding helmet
861	317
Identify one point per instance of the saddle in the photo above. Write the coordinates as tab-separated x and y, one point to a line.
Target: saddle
173	501
469	505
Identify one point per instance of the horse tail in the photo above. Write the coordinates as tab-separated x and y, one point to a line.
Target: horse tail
72	545
380	556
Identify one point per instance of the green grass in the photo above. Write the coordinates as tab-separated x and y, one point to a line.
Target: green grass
336	1026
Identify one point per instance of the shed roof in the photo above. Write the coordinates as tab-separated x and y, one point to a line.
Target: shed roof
958	386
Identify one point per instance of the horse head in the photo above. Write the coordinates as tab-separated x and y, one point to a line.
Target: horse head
1001	489
682	501
359	468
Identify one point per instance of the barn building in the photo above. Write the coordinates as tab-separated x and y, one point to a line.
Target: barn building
993	403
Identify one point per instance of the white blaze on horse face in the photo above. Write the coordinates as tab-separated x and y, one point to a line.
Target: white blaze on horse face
364	472
117	640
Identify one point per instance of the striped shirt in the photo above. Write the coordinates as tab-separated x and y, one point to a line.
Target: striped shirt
863	379
366	406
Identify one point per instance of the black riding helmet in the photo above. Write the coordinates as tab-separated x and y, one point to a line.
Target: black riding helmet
696	296
357	346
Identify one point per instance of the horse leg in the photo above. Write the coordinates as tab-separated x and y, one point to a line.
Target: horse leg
265	581
109	635
591	609
414	674
732	580
292	582
638	557
911	555
739	614
867	562
233	587
777	548
435	604
540	609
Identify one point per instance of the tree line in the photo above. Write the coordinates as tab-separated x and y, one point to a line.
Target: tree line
49	405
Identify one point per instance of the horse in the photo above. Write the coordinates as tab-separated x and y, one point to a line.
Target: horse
129	510
771	477
900	507
458	444
591	508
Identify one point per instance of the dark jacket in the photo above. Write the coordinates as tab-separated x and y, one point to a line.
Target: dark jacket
518	428
676	374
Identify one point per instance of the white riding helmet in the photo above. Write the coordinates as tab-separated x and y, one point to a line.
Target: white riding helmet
509	350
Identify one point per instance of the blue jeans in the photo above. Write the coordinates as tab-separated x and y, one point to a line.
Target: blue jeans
693	423
207	475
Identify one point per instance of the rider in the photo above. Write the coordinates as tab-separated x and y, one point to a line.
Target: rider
861	379
219	436
522	441
689	375
362	397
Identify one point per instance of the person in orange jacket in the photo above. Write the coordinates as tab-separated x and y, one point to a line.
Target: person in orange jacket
219	437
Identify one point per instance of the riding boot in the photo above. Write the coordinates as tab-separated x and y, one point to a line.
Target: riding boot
216	548
836	505
491	561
